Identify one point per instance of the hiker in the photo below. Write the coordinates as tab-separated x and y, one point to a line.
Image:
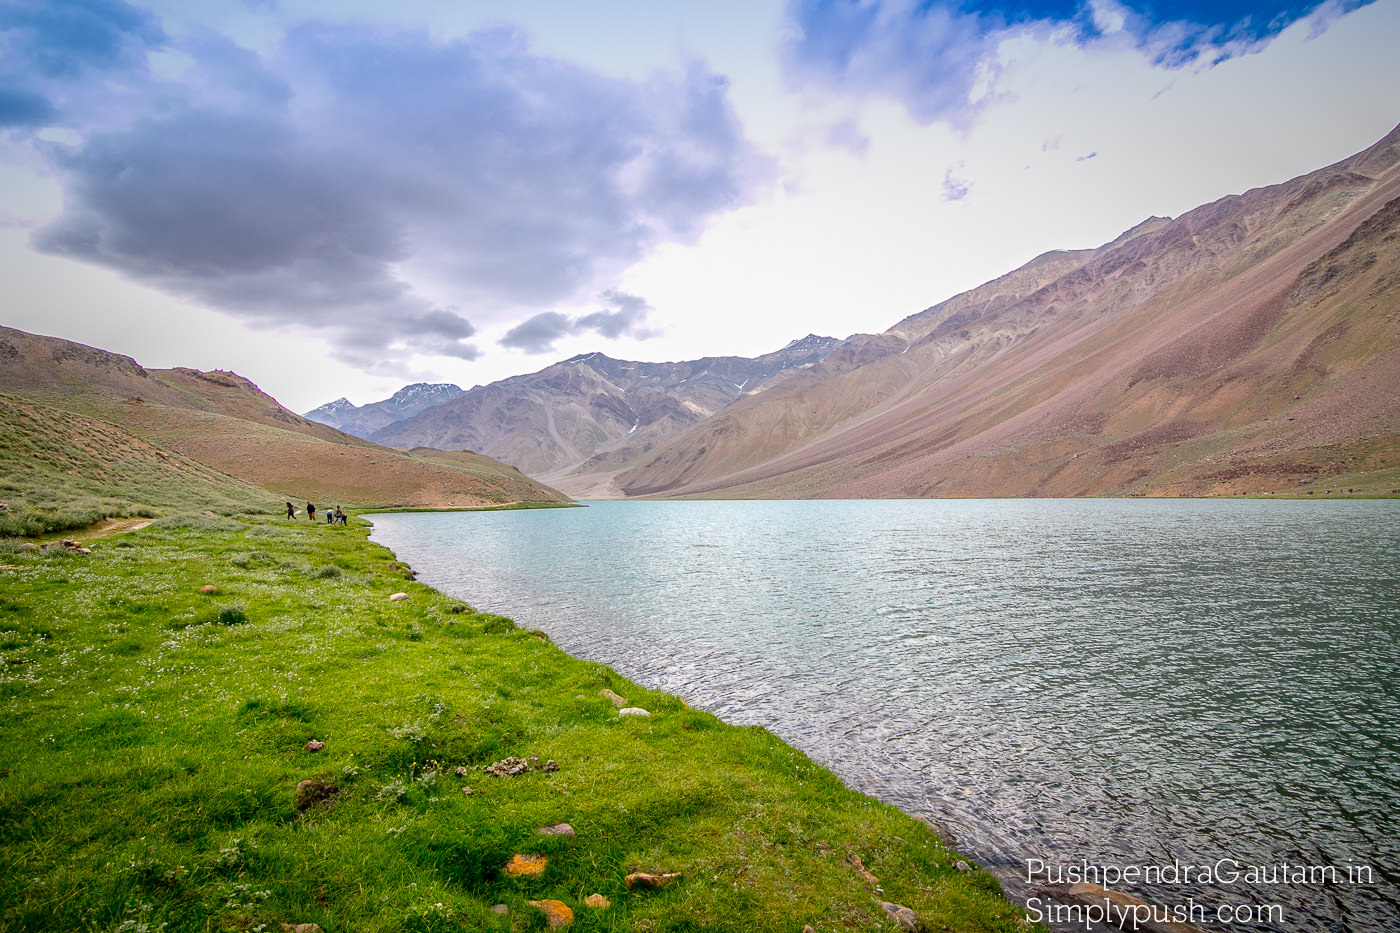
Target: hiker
330	517
339	515
310	512
291	510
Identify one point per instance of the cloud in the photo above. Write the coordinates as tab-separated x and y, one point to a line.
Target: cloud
847	135
955	189
339	180
46	45
539	333
937	58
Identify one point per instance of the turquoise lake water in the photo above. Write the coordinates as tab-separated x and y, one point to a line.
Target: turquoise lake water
1074	684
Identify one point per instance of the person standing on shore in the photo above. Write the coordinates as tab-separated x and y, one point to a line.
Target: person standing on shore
311	511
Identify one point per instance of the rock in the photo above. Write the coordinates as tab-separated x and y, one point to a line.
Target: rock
507	767
906	918
467	791
209	588
551	765
320	791
617	700
807	928
632	711
556	912
315	745
69	543
558	829
82	550
457	610
526	866
854	861
597	902
642	879
962	866
501	909
398	596
461	771
298	927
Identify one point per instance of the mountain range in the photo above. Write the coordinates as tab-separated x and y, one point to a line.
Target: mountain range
1251	345
364	420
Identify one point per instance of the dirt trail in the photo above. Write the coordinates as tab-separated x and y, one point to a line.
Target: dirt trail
113	526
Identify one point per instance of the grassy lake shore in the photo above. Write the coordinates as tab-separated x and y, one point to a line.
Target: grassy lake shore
155	771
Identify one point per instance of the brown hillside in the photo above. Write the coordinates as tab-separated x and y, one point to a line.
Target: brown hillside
226	422
1251	345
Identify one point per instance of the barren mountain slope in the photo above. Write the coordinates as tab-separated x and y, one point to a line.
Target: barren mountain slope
224	421
1249	345
593	407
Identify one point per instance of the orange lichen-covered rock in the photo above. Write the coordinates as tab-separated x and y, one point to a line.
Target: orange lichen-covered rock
526	866
556	912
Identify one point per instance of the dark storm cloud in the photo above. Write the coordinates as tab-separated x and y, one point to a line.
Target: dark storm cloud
625	317
47	45
62	38
316	185
929	56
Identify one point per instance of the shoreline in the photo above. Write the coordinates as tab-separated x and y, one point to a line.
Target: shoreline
231	664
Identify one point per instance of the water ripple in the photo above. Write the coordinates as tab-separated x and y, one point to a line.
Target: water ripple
1122	682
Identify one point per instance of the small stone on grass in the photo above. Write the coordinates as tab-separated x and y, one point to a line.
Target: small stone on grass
556	912
526	866
632	711
558	829
398	596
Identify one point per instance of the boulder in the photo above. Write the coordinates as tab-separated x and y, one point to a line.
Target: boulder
632	711
617	700
643	879
209	588
315	745
398	596
597	902
558	829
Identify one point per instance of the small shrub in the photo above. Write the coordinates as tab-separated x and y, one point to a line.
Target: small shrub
232	615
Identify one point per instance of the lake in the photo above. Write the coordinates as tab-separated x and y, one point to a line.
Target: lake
1067	686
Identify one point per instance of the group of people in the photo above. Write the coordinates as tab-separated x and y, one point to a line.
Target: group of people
333	516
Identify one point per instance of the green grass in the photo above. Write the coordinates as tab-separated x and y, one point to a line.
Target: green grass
154	737
61	471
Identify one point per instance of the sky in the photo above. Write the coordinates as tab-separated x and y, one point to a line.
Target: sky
341	198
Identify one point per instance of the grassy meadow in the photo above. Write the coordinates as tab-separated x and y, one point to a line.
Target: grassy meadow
60	470
155	737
